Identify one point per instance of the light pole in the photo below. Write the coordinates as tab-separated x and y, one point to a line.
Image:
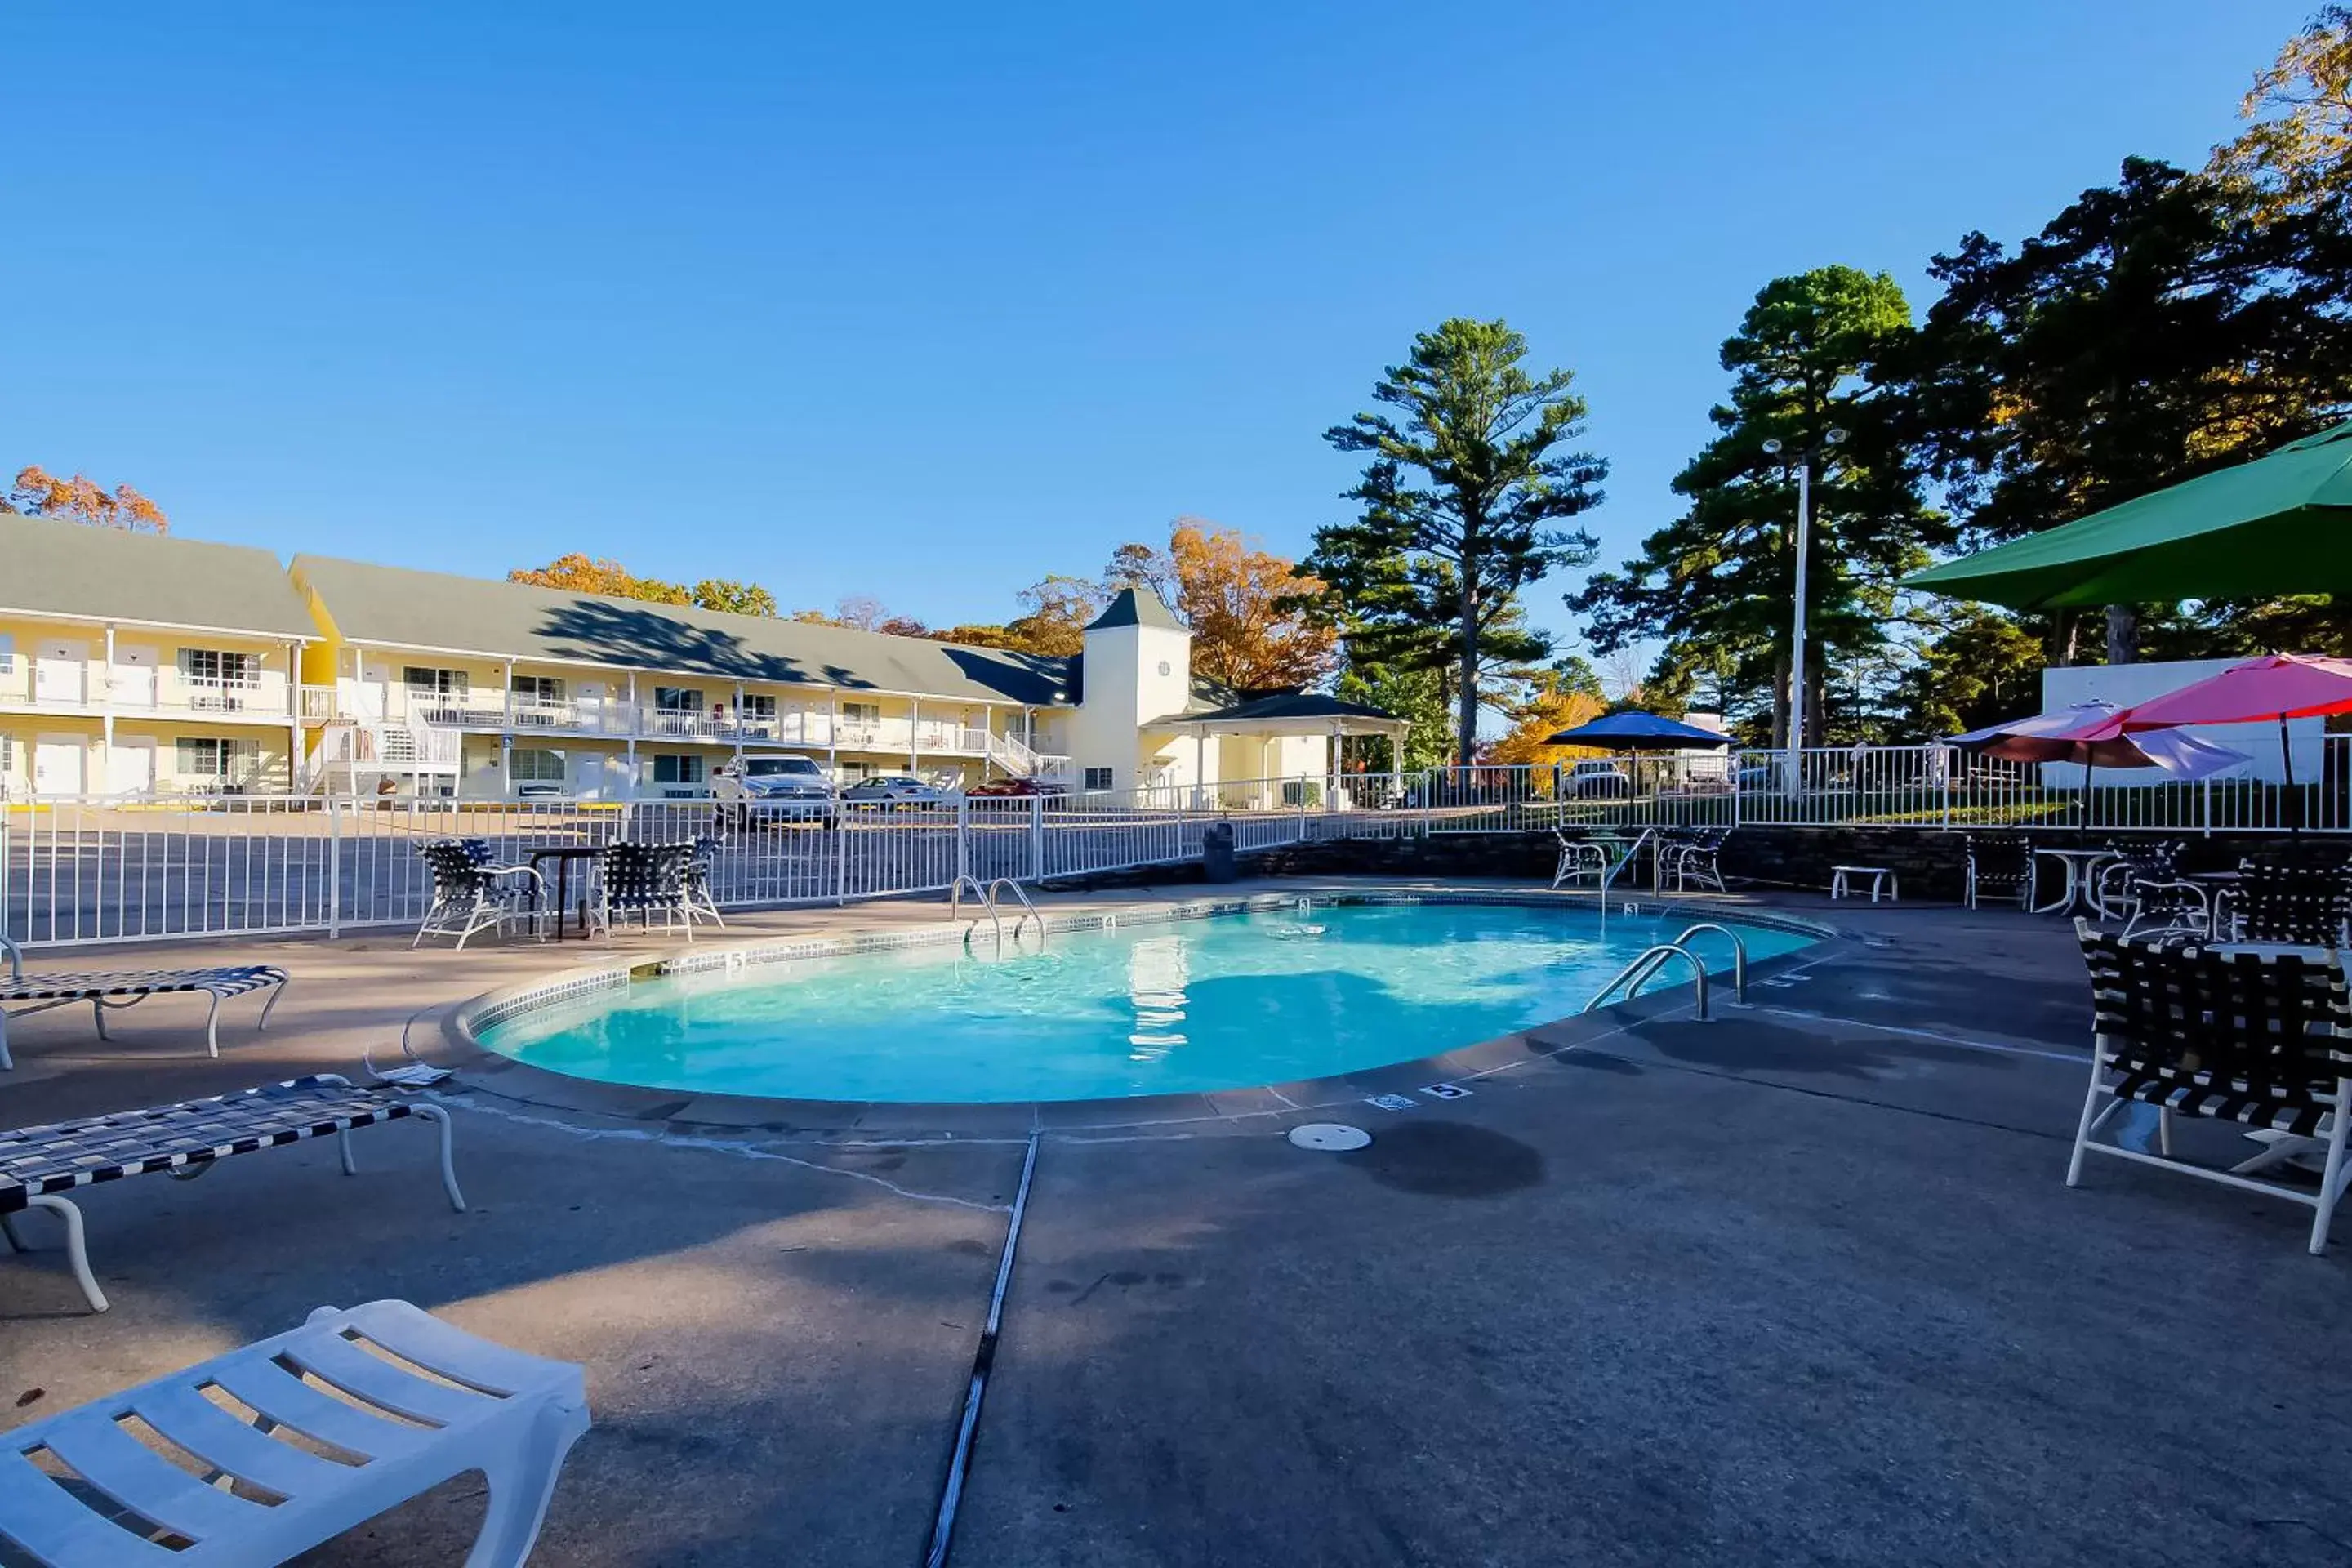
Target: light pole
1805	460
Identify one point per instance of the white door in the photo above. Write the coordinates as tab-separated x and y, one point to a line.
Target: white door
58	764
130	765
375	704
588	700
57	670
135	677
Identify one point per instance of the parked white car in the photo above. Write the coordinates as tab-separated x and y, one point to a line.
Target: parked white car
774	789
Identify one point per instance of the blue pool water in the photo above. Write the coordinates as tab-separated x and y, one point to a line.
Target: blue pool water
1224	1002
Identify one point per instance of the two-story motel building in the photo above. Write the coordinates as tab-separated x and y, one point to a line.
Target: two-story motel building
138	663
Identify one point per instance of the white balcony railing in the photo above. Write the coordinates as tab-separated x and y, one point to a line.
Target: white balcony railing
87	686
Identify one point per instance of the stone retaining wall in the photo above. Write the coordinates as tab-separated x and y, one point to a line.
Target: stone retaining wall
1929	864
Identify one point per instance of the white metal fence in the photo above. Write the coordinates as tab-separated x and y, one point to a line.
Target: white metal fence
94	868
98	869
1930	787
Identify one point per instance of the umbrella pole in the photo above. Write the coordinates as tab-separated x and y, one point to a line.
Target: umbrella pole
2293	799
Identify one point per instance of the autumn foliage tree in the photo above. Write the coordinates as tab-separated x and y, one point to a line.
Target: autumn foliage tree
1241	604
1552	705
39	493
580	573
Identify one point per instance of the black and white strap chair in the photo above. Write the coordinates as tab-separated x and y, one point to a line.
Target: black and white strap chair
2257	1038
2292	903
472	895
38	1163
1693	860
112	989
645	880
1580	859
2000	863
2148	861
702	902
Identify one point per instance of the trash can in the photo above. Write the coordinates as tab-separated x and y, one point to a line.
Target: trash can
1217	852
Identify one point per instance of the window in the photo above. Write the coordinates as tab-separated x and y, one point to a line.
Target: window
535	764
545	691
218	667
219	678
673	769
861	715
209	759
758	709
1097	778
450	683
677	700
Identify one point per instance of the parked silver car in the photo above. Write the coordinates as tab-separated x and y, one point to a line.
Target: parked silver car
887	791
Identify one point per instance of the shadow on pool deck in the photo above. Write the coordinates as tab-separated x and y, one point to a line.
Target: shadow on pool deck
1802	1285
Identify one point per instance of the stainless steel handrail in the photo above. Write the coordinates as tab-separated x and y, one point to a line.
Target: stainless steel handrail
1651	961
1739	954
1021	893
955	908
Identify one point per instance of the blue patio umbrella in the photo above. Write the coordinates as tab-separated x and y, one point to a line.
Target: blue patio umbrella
1637	733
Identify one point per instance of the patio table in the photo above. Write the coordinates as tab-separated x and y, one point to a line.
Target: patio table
563	855
2080	879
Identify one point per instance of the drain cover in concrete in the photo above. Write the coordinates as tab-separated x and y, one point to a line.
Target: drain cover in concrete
1330	1136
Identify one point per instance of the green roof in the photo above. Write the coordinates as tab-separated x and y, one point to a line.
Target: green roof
1135	607
48	567
396	607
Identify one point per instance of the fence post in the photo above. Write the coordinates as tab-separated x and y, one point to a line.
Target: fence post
2205	807
334	866
1944	767
840	852
1036	837
963	836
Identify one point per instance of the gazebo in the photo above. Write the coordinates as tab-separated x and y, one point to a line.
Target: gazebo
1271	719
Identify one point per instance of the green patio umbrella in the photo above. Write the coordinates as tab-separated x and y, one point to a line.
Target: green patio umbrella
2280	524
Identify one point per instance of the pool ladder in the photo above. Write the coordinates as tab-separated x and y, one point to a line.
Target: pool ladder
987	896
1636	974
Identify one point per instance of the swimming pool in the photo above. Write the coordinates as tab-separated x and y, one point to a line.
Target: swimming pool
1146	1006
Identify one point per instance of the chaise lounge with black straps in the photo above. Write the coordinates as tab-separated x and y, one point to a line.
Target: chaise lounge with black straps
182	1140
118	988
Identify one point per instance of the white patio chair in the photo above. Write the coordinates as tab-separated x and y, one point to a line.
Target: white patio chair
2257	1038
1578	858
471	894
512	1417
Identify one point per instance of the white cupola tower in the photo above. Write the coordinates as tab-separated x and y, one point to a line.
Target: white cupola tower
1138	667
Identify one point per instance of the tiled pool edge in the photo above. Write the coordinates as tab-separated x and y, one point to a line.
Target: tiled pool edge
482	1069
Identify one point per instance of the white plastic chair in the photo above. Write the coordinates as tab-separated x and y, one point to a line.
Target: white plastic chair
511	1416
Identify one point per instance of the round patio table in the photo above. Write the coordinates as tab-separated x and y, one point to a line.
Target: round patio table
2080	879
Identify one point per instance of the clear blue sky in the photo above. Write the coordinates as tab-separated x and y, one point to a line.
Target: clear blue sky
925	300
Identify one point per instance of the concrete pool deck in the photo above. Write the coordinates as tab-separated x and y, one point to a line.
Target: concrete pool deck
1802	1284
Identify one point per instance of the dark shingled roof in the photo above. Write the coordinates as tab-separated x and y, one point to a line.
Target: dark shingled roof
1135	607
47	567
1280	705
397	607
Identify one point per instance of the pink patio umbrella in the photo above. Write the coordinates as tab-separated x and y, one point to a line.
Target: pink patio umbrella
2088	735
2280	686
